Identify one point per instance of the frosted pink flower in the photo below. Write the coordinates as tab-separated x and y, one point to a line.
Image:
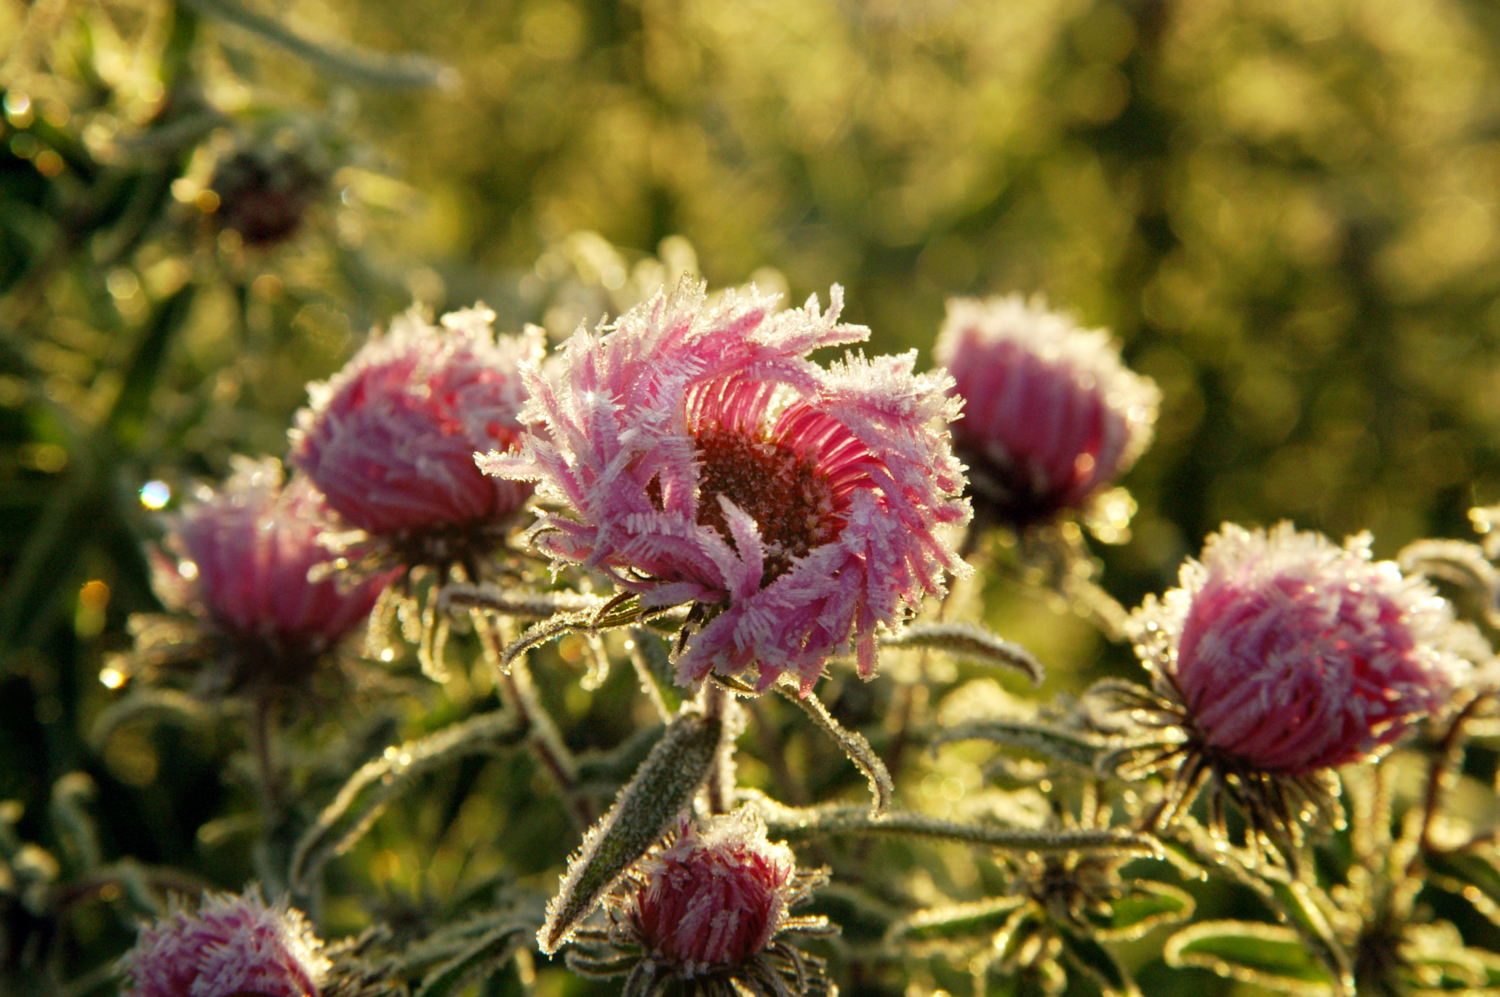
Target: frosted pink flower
714	898
232	945
706	460
711	909
243	558
1289	654
390	439
1051	416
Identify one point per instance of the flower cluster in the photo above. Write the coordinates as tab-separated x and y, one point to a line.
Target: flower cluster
390	439
1051	416
232	944
706	460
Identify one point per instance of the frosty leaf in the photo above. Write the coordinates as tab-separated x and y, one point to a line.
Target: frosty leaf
981	918
1148	905
147	704
379	781
645	810
855	746
1070	747
1473	874
1268	955
517	604
1456	561
483	959
1087	954
795	824
970	642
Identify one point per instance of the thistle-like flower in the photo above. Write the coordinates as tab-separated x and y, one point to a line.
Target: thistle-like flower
1051	416
246	560
1283	656
232	944
706	460
712	910
390	439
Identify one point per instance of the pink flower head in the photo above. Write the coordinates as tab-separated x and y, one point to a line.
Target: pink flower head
233	944
390	439
707	460
1291	655
244	555
716	898
1051	416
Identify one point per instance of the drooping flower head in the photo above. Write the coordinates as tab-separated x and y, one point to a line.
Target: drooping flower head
1282	656
1051	415
390	439
231	945
244	556
706	460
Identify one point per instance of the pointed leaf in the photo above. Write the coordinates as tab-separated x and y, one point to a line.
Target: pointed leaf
1268	955
1071	747
981	918
971	642
795	823
365	796
483	959
855	747
1148	905
1087	954
645	810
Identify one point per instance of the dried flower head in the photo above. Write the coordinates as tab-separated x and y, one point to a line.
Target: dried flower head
390	439
247	562
231	945
1051	416
706	460
1283	655
712	909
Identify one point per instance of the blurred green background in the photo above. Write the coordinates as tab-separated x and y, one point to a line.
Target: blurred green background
1285	211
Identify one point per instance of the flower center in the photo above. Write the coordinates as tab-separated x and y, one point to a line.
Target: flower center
786	492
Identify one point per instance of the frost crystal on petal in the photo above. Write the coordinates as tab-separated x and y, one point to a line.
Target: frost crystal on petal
705	459
1051	416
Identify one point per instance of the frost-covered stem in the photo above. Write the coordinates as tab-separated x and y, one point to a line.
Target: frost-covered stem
718	704
518	693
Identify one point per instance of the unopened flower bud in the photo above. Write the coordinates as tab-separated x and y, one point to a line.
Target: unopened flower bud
1051	416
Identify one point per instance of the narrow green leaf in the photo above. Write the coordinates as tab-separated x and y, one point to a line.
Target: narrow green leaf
365	796
1087	954
481	960
356	65
854	746
1146	906
1268	955
643	813
971	642
1071	747
800	824
981	918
